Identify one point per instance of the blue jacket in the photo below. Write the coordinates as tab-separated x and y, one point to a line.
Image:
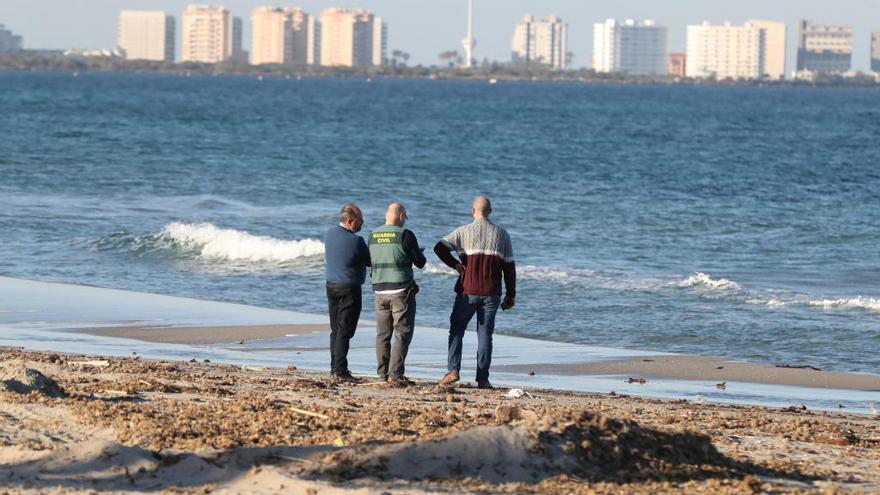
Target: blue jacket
347	256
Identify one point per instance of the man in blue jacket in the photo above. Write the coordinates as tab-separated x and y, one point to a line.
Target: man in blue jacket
347	257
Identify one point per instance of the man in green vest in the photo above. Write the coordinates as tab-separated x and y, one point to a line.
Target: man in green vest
393	251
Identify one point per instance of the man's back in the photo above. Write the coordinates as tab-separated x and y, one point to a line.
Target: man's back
489	254
346	256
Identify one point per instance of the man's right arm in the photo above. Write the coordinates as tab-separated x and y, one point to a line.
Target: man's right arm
445	254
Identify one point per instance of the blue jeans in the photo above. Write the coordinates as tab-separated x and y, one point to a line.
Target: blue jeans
485	307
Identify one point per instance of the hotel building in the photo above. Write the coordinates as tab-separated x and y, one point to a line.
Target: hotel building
284	36
677	64
875	50
773	48
824	49
630	47
725	51
146	35
541	40
352	37
210	35
9	42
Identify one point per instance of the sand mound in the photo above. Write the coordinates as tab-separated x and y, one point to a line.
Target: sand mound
18	378
583	444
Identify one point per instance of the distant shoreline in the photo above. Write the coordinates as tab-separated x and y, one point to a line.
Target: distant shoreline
31	62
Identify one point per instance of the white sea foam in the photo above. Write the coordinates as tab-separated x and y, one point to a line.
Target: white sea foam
438	269
855	303
864	303
700	279
235	245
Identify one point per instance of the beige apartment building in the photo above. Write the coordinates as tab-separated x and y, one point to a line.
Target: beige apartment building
541	40
724	51
352	37
284	36
209	34
773	49
145	35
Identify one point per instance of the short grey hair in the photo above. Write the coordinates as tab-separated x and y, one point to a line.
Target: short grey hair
349	213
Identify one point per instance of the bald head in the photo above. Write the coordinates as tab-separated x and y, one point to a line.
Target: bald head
395	215
482	207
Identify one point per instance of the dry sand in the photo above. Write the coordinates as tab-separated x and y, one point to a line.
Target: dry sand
683	367
133	425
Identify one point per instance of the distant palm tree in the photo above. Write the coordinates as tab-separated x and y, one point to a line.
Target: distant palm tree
450	57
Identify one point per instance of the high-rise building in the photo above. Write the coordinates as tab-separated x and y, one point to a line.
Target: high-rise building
875	50
146	35
824	49
208	34
541	40
677	64
629	47
352	37
725	51
773	51
9	42
283	36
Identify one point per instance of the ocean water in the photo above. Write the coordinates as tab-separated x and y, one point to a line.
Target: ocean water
741	222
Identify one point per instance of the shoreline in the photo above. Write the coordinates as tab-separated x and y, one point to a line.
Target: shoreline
667	367
421	73
149	425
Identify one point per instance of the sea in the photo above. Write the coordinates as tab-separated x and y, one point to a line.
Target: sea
741	222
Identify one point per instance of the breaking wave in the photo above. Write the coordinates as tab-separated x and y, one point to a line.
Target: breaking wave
235	245
207	241
700	279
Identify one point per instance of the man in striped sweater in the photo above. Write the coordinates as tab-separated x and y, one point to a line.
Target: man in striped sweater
486	257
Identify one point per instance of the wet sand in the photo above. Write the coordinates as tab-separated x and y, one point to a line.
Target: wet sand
92	424
683	367
205	335
671	367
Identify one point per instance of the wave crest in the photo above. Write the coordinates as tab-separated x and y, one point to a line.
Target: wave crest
210	241
700	279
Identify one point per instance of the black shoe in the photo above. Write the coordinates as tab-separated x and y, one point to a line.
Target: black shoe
485	385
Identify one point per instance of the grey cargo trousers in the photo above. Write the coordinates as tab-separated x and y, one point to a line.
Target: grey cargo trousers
395	315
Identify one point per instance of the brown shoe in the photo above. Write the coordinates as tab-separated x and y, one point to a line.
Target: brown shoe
344	376
398	383
449	378
485	385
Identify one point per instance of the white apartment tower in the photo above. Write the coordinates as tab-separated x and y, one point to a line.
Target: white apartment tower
352	37
283	36
208	34
630	47
725	51
773	49
541	40
146	35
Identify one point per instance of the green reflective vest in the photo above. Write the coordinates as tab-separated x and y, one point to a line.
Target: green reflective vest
390	263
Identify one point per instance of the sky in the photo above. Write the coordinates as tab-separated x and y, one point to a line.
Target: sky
424	28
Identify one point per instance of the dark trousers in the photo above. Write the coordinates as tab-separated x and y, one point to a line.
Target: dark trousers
344	302
395	315
485	307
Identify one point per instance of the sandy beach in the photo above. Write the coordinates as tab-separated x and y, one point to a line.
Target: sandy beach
77	424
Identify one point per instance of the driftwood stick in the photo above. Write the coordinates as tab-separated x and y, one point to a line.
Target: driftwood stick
309	413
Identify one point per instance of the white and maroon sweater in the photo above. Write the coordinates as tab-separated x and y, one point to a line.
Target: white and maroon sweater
487	253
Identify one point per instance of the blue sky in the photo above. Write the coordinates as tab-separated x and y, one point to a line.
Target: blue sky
425	28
